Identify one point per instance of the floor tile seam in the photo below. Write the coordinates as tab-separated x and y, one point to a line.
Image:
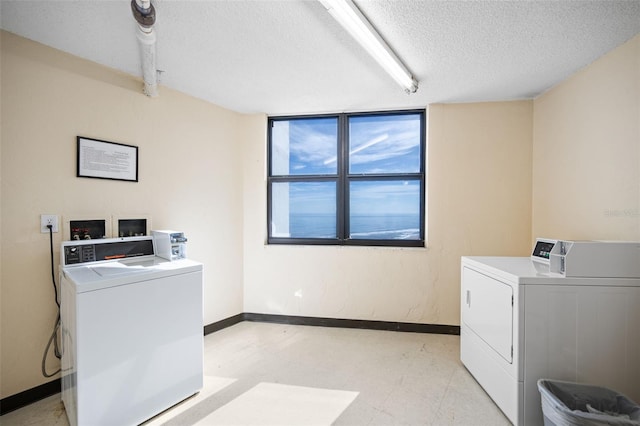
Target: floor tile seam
444	395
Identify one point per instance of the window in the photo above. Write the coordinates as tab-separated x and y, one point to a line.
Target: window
349	179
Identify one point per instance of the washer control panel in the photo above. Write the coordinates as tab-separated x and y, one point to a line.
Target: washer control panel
81	252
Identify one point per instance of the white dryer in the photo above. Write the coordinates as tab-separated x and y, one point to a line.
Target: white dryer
132	331
520	323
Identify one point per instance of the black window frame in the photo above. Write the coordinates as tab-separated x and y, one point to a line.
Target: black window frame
343	179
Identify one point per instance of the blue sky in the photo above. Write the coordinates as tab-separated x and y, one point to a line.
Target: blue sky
378	144
305	146
385	144
375	198
385	198
388	144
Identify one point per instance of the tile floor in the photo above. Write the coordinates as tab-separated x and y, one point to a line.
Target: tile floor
399	378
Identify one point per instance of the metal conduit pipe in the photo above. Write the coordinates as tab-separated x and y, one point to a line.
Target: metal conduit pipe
145	15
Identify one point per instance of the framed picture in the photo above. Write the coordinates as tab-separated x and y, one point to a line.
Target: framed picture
107	160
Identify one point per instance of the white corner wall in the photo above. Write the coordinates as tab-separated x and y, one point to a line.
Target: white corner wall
479	203
586	152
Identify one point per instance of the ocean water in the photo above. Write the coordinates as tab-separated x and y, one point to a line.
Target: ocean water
376	227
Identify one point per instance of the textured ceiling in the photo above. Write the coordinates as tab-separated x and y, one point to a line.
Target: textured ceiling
291	57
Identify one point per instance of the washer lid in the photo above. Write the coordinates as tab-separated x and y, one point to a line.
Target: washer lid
117	273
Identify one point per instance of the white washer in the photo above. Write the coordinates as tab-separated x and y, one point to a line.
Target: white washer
521	323
132	331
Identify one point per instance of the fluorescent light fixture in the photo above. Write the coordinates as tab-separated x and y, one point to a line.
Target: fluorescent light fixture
350	17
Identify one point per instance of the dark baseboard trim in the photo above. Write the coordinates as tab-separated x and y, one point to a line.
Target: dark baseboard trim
351	323
29	396
333	322
32	395
228	322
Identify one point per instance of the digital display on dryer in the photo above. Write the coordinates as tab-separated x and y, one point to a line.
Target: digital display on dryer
542	249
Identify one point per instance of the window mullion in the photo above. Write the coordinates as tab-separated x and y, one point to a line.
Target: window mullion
343	165
408	176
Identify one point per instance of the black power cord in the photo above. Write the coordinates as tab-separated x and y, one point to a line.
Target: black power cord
56	328
53	275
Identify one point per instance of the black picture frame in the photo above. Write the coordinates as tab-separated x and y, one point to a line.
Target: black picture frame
100	159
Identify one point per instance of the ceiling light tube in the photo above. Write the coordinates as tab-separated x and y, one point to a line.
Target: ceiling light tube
350	17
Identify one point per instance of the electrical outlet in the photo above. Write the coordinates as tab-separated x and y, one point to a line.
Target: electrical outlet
48	219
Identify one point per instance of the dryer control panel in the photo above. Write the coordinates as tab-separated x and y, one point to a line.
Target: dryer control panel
542	250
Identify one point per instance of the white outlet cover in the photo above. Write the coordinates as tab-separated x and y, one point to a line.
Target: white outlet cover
46	219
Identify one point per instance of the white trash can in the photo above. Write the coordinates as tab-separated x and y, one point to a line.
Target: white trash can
573	404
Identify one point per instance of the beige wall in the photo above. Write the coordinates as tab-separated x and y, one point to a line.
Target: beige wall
190	179
586	156
479	203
